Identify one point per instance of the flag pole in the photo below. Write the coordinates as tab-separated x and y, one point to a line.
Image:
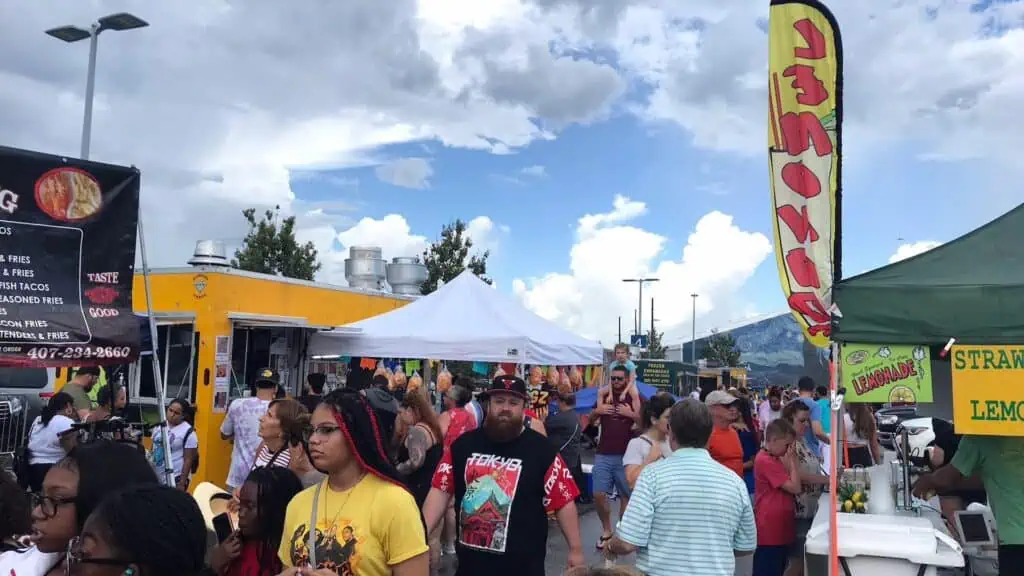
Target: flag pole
833	481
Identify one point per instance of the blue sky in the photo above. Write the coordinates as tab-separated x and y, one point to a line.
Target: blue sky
648	118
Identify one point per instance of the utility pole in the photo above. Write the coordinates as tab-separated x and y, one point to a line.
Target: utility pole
620	330
652	320
639	310
693	328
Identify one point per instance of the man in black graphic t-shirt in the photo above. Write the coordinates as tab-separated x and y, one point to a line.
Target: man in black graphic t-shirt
505	479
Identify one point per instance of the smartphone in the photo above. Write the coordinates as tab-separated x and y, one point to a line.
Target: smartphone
222	526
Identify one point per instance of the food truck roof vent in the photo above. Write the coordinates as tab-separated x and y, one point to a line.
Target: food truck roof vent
209	253
365	268
406	276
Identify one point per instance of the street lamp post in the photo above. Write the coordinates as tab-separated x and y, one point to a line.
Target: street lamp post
640	301
693	331
118	22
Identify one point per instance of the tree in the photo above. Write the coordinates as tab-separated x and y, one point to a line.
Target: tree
447	257
655	350
271	248
721	349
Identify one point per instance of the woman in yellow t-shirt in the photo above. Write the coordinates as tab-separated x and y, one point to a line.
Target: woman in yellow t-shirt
361	519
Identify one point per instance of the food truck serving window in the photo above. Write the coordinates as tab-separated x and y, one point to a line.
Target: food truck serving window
178	343
259	341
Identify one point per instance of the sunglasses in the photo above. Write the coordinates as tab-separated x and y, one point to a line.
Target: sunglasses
617	378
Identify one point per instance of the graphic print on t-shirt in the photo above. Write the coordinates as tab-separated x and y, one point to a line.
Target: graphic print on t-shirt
337	547
491	483
540	400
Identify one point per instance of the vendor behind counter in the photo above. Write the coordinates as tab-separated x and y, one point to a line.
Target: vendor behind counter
999	464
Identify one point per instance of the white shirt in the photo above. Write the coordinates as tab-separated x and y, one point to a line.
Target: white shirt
30	562
243	423
176	436
638	449
44	441
765	414
852	437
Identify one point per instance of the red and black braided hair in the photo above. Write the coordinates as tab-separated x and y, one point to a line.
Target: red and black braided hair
358	423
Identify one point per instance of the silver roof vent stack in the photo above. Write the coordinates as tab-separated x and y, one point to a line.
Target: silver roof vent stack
209	253
365	268
406	276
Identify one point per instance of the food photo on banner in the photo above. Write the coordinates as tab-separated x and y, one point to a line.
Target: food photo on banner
67	257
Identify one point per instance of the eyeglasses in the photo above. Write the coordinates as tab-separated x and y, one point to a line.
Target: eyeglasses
74	556
48	505
617	378
322	430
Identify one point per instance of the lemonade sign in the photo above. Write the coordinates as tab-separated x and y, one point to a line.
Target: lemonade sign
882	373
987	385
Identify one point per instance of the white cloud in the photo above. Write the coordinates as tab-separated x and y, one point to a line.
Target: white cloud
913	249
412	173
536	171
485	233
717	259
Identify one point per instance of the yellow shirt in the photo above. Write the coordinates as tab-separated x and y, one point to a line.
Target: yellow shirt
364	530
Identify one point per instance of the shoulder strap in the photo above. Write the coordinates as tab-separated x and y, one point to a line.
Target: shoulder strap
571	436
646	439
311	529
426	429
256	458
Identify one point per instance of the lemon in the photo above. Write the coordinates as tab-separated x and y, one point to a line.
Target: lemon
857	497
848	505
902	396
860	506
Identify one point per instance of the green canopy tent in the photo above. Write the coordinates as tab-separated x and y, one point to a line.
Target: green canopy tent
971	289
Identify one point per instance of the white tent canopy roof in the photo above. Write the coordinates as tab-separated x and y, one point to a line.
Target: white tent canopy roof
465	319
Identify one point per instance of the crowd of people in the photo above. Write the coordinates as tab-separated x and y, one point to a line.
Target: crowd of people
372	481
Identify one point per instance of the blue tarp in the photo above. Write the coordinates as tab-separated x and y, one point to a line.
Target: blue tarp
586	399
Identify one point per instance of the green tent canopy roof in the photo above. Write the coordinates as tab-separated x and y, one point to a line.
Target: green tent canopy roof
971	289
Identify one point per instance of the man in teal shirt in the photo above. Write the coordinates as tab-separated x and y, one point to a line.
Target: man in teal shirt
826	408
998	462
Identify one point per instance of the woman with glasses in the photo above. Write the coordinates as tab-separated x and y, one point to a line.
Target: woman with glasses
145	530
70	492
798	414
252	549
361	519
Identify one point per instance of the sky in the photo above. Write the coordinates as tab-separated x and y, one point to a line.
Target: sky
584	141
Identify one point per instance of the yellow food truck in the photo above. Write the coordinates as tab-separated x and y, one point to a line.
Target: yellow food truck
217	326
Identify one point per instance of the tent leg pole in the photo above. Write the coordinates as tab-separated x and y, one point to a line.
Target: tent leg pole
161	392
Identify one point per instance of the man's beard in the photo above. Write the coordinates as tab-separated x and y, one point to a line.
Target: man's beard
501	429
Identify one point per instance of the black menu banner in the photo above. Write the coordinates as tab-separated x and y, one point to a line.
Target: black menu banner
67	258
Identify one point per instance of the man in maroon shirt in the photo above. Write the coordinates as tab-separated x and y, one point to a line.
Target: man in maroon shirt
617	415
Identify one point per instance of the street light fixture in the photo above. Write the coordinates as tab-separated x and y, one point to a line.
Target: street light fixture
640	307
117	22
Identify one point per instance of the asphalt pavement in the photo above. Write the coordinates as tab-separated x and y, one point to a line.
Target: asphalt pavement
558	553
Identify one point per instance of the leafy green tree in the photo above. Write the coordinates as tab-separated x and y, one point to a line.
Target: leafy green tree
655	349
721	349
448	256
270	247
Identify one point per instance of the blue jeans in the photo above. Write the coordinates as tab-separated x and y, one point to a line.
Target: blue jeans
609	474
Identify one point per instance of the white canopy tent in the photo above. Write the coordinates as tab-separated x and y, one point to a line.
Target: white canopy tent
465	319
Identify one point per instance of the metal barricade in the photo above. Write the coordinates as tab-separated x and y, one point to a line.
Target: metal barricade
13	427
